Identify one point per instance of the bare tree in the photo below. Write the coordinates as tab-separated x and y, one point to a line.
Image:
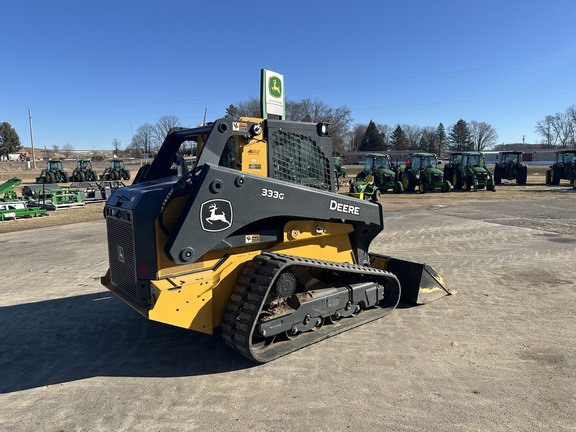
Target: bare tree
385	131
428	139
413	134
117	146
356	135
143	141
544	128
563	128
482	135
163	126
571	119
309	111
317	111
249	108
68	149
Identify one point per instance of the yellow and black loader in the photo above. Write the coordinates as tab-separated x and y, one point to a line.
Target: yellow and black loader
255	240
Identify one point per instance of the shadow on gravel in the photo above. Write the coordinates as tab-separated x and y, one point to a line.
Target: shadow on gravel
73	338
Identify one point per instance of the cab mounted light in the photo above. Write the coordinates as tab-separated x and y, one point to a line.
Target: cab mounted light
322	128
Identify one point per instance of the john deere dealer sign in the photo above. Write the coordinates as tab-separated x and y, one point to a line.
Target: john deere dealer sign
273	100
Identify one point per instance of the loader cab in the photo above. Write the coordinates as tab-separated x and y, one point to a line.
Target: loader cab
296	152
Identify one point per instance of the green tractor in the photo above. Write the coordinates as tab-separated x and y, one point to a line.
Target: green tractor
384	176
564	168
53	173
84	171
365	189
339	170
116	171
422	171
468	171
510	167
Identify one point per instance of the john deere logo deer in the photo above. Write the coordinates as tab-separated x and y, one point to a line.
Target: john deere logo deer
216	215
275	86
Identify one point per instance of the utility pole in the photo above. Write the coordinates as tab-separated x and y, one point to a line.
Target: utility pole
32	138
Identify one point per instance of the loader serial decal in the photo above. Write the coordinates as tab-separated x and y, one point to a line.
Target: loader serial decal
216	215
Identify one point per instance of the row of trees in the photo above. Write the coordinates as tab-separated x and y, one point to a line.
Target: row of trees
558	129
148	137
307	110
378	137
462	136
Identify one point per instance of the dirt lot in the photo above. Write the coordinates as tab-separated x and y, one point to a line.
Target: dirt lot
498	355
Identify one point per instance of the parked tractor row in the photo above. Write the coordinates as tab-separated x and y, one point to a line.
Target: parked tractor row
464	171
54	172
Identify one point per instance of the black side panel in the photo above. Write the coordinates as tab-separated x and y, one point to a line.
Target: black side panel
223	202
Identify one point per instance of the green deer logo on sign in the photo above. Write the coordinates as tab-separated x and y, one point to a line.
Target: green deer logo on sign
275	87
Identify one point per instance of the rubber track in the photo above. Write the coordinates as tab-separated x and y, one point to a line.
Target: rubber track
252	289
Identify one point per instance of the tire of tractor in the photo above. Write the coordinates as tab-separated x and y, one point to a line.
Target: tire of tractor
458	180
81	176
409	182
446	186
423	187
126	175
448	172
114	175
549	177
65	177
574	184
467	185
556	175
49	177
375	196
398	187
522	174
497	175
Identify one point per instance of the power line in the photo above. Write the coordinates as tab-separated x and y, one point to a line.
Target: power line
463	101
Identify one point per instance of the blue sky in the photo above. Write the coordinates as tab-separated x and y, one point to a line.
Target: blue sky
93	71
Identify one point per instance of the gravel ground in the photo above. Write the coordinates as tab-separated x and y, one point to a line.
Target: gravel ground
498	355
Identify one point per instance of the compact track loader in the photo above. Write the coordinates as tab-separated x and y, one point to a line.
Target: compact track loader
255	240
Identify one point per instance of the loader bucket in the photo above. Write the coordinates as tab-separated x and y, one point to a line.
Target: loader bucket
419	282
